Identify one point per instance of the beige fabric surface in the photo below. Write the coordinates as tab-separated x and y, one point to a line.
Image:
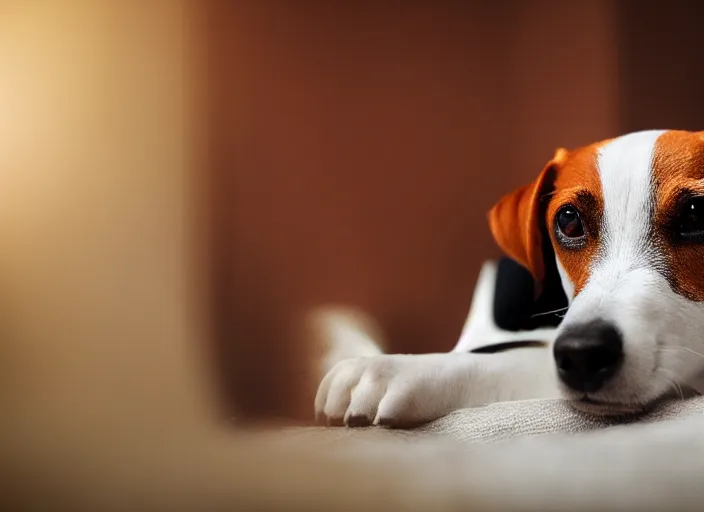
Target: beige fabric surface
509	420
552	458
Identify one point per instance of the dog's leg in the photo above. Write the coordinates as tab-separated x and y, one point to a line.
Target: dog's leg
409	389
406	390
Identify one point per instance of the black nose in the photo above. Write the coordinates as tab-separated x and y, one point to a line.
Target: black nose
588	355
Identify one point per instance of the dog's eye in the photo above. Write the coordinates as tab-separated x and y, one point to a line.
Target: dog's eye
569	223
690	222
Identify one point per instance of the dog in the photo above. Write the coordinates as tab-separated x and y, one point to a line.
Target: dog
620	225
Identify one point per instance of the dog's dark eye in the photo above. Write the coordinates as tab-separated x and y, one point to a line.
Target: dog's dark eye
690	222
569	223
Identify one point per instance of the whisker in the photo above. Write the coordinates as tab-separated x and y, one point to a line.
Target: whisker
683	348
558	310
677	387
548	194
672	383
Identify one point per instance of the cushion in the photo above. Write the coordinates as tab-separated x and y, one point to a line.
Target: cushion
509	420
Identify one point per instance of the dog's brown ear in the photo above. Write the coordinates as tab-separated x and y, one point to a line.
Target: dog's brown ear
516	221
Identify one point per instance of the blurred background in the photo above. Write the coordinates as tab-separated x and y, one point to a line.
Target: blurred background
359	145
345	152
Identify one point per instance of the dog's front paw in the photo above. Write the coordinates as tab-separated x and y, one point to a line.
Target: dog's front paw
392	390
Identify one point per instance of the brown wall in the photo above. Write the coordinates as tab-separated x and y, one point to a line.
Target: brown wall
660	73
360	145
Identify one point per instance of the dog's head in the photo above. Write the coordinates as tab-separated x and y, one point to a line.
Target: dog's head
625	220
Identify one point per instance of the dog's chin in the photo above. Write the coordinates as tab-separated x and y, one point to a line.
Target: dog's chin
596	405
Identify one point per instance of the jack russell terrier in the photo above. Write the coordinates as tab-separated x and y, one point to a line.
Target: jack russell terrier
619	225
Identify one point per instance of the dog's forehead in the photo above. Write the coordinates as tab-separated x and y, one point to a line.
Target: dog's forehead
635	180
578	169
678	157
625	172
633	163
623	177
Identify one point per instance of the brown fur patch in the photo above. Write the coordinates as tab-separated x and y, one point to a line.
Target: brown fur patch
578	184
678	168
516	221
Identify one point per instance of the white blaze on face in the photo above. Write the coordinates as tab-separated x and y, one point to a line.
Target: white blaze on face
625	171
567	284
624	167
625	286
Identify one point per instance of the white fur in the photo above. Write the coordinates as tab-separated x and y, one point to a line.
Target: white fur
406	389
400	389
626	288
662	330
567	284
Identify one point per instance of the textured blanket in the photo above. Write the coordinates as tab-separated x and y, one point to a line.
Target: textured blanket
511	420
542	455
508	420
